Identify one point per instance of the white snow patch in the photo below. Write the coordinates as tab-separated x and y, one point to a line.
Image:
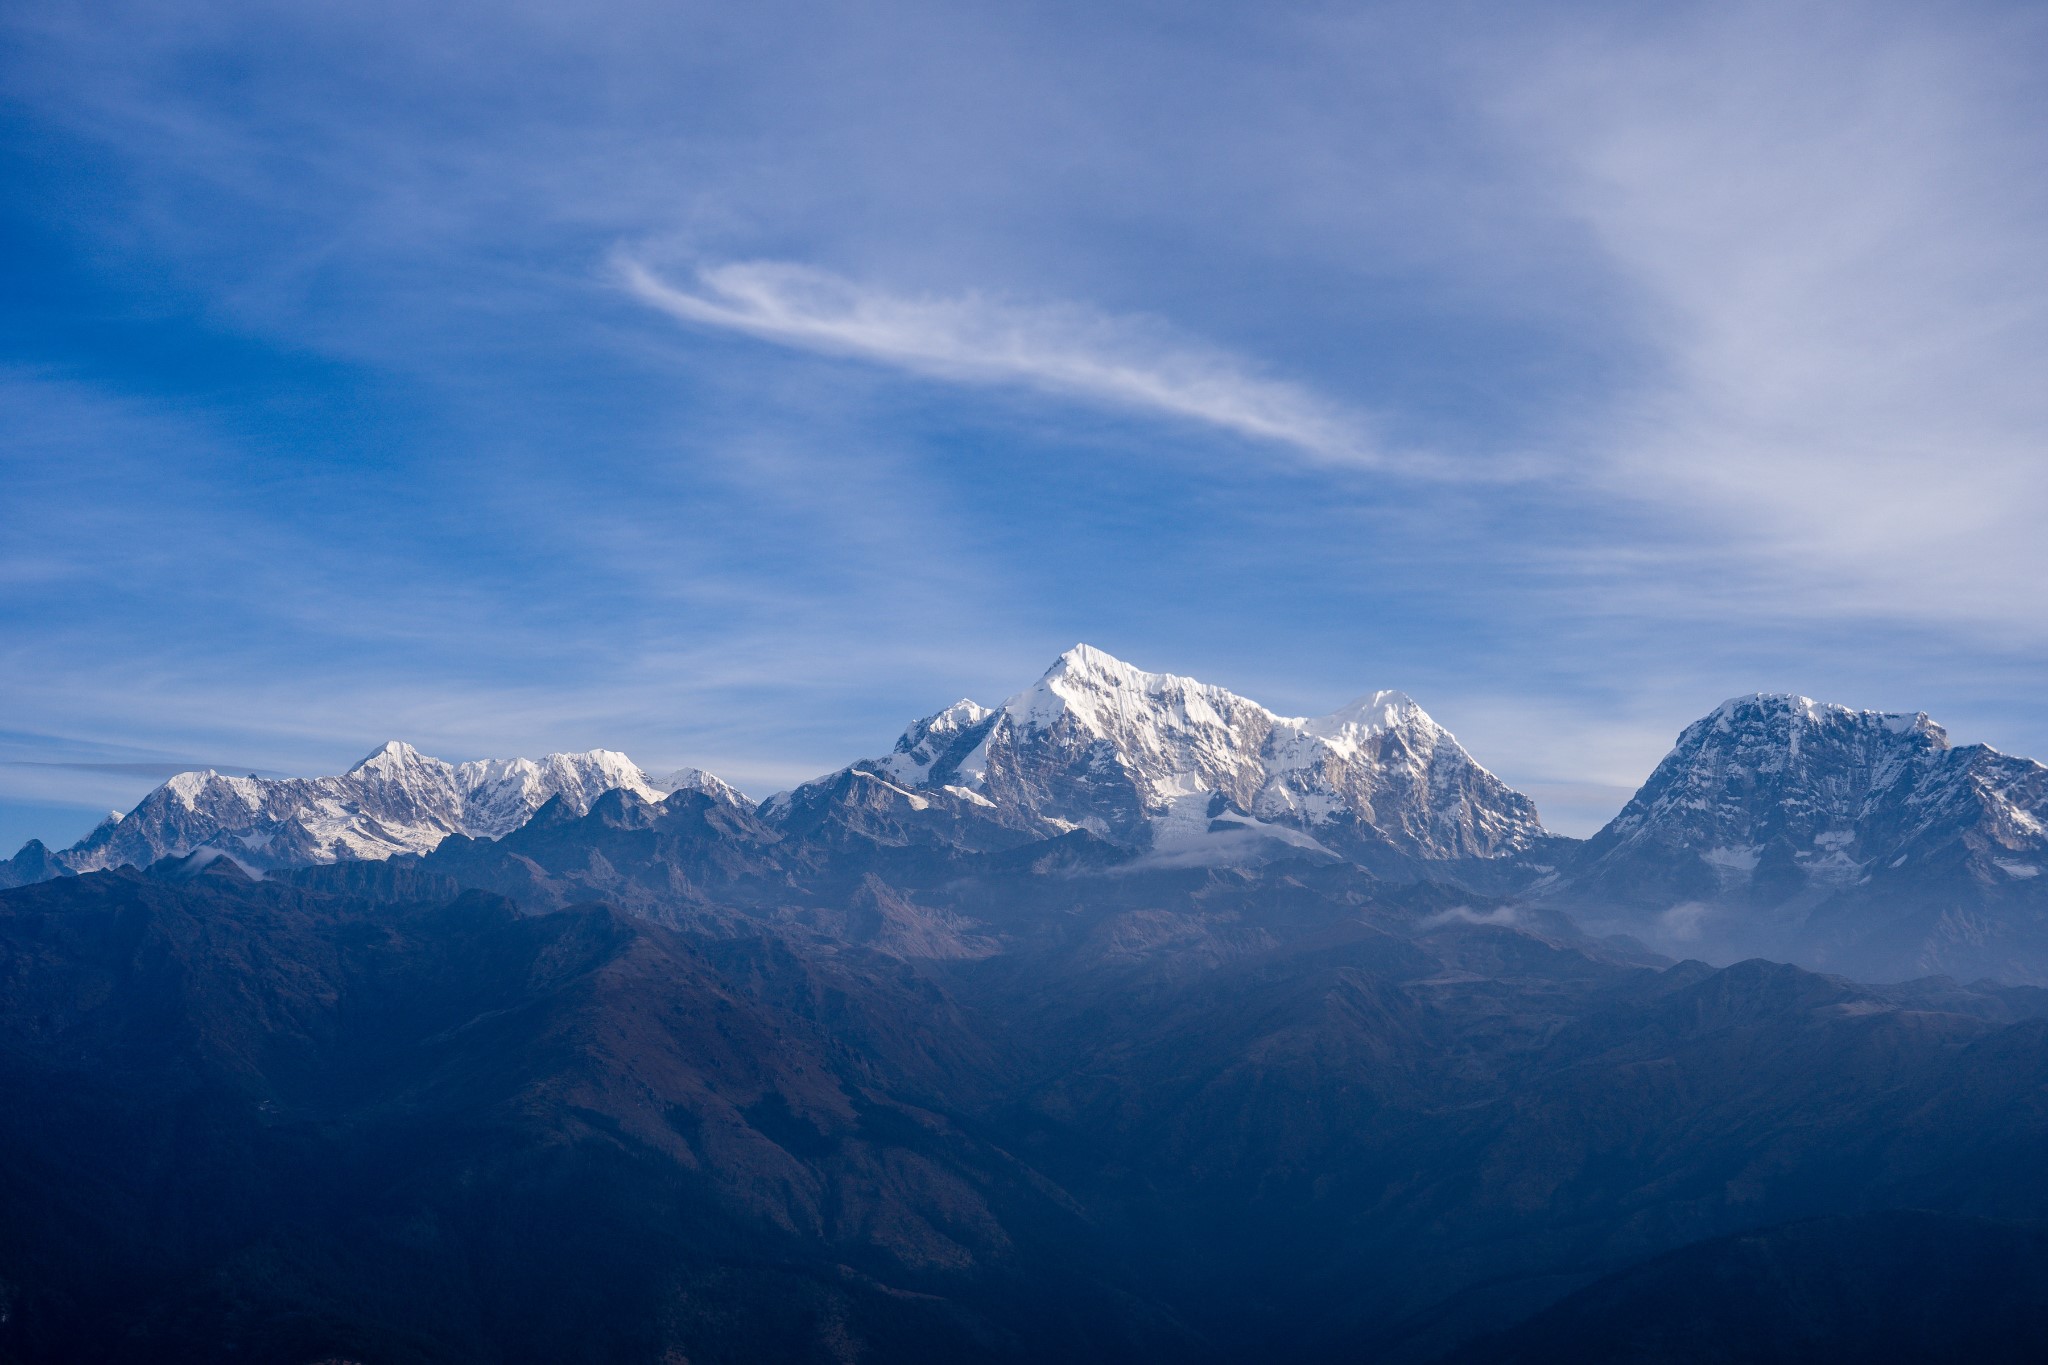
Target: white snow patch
1731	859
916	802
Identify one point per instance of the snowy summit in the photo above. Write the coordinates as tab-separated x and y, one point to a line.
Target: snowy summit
1155	758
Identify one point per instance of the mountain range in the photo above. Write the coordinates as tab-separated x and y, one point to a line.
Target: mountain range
396	800
1843	840
1126	1021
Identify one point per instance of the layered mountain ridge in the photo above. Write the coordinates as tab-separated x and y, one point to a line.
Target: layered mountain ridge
1846	840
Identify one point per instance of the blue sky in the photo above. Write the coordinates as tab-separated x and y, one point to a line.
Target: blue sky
730	384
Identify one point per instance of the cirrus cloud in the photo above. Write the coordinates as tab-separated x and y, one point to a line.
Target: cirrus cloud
1064	349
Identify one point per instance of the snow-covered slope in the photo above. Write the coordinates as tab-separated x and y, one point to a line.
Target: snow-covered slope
1169	763
397	800
1849	839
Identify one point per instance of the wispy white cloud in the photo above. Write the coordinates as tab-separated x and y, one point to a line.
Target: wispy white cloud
1465	914
1766	278
1060	348
1830	221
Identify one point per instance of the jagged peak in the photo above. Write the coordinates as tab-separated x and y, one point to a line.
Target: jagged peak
951	720
959	715
183	788
698	780
1790	706
1375	712
1096	689
1086	662
604	760
1105	694
923	742
393	755
1086	658
607	761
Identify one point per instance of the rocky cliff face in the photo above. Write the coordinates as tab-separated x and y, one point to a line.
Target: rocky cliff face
1855	840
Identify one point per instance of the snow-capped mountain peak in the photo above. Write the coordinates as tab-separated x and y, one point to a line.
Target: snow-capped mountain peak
1176	735
1098	743
1371	715
1782	825
1105	695
710	784
1765	759
395	800
929	743
392	756
1794	713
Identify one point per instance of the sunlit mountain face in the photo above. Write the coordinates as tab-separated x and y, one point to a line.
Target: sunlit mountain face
1124	1020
